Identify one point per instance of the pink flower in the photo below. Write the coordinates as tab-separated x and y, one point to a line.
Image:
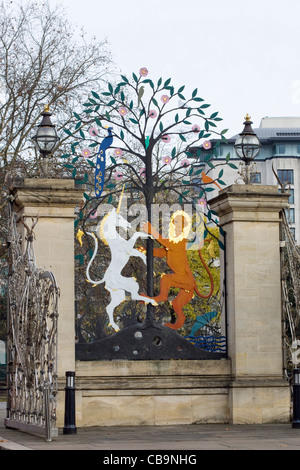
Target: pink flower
201	202
118	152
143	171
143	72
118	175
185	162
207	144
93	214
167	160
165	98
86	153
152	113
93	131
122	111
166	138
196	128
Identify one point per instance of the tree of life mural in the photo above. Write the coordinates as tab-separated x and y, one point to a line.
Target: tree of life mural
147	252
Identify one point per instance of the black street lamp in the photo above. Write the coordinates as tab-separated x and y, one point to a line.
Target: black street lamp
46	138
247	147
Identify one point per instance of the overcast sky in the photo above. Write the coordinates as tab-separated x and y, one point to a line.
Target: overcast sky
244	57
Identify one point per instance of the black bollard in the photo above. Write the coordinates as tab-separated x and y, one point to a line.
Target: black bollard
70	422
296	398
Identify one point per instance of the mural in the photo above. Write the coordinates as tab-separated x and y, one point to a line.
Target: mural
149	144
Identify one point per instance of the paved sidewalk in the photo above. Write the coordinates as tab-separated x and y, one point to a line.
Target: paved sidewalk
187	439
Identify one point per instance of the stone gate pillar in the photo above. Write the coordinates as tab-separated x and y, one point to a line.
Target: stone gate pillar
250	216
53	201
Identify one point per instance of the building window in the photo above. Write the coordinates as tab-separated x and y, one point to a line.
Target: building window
255	177
291	216
291	198
286	176
279	149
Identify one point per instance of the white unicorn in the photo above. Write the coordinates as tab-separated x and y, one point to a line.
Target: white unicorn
121	250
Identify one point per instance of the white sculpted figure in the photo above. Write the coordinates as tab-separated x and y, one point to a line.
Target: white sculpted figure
121	250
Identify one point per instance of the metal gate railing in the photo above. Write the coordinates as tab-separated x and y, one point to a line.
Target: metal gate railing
31	339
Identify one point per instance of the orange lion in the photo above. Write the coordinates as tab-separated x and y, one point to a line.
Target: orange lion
175	250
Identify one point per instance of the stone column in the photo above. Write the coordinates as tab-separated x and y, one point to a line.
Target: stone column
250	216
53	201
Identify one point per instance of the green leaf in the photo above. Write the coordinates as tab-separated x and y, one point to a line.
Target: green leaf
133	120
82	134
110	87
194	92
66	155
113	160
209	189
205	106
77	116
176	117
181	96
221	173
92	164
135	77
122	135
125	78
95	95
80	258
233	166
167	82
173	153
182	138
221	245
181	89
159	82
150	82
68	132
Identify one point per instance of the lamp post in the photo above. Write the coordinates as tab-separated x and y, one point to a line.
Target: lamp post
247	147
46	139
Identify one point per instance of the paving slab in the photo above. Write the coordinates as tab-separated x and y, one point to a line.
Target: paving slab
171	439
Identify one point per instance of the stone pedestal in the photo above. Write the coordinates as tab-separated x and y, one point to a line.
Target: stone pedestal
53	201
250	216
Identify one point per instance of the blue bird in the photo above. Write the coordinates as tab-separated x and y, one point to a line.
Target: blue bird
100	163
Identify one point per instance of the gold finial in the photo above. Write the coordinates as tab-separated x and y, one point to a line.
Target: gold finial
47	109
247	118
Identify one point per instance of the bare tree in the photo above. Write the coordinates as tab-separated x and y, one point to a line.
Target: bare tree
44	60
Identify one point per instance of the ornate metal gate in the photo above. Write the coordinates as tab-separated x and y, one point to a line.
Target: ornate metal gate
290	253
31	338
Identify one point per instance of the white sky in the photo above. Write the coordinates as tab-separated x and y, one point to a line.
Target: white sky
244	57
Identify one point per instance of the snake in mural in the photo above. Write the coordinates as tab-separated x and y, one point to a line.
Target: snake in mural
174	249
